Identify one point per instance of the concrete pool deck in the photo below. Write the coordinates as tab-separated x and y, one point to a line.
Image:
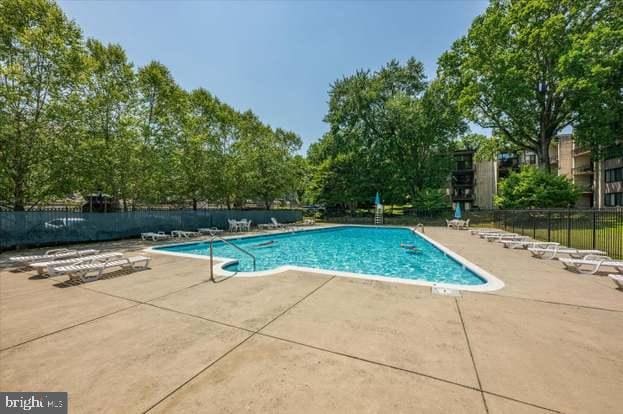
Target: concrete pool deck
169	340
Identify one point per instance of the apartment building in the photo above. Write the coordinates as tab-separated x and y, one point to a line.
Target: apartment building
474	183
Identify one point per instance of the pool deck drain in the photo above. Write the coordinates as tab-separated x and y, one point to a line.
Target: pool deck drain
444	291
167	340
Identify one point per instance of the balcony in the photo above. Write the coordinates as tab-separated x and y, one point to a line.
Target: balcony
463	167
583	170
464	197
585	188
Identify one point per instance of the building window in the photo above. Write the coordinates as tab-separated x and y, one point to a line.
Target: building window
614	174
614	199
531	159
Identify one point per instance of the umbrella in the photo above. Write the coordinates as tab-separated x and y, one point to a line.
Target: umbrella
457	211
377	199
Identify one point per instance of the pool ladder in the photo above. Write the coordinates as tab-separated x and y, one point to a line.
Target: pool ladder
378	215
214	237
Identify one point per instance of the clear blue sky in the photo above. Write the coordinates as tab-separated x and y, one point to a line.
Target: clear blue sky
275	58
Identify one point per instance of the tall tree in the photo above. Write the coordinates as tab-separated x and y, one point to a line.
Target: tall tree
512	72
391	131
41	62
110	148
162	106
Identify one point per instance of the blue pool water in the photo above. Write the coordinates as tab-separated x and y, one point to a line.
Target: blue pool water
367	250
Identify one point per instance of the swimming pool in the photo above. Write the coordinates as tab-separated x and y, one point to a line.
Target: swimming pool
384	253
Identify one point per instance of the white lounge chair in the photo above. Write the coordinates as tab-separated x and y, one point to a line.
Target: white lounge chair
155	236
503	236
277	224
553	252
478	232
43	267
618	279
595	262
184	234
496	233
212	231
82	269
53	255
526	244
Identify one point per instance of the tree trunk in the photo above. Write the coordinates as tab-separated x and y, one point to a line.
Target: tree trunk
194	204
267	204
18	204
543	153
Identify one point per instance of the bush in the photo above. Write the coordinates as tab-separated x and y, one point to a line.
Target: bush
535	188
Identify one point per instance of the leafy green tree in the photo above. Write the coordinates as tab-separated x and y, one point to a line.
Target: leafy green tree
525	66
162	105
431	199
110	147
535	188
391	131
266	157
41	65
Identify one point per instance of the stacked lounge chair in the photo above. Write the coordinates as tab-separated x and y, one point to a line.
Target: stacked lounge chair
594	262
554	252
155	236
48	267
89	270
50	255
618	279
184	234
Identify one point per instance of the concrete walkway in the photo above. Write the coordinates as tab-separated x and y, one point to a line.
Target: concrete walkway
168	340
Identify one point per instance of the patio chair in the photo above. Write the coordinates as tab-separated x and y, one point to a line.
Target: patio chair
80	270
245	225
233	225
44	267
54	254
595	262
155	236
618	279
554	252
464	225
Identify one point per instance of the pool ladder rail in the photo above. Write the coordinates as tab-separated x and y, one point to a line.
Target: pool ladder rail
214	237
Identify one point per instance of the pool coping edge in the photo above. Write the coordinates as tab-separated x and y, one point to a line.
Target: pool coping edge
492	282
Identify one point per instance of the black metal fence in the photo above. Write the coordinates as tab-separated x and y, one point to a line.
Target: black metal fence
582	229
596	229
40	228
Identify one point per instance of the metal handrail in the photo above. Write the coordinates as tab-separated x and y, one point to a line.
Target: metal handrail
232	245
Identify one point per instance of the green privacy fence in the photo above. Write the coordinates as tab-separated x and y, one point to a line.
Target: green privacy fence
40	228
